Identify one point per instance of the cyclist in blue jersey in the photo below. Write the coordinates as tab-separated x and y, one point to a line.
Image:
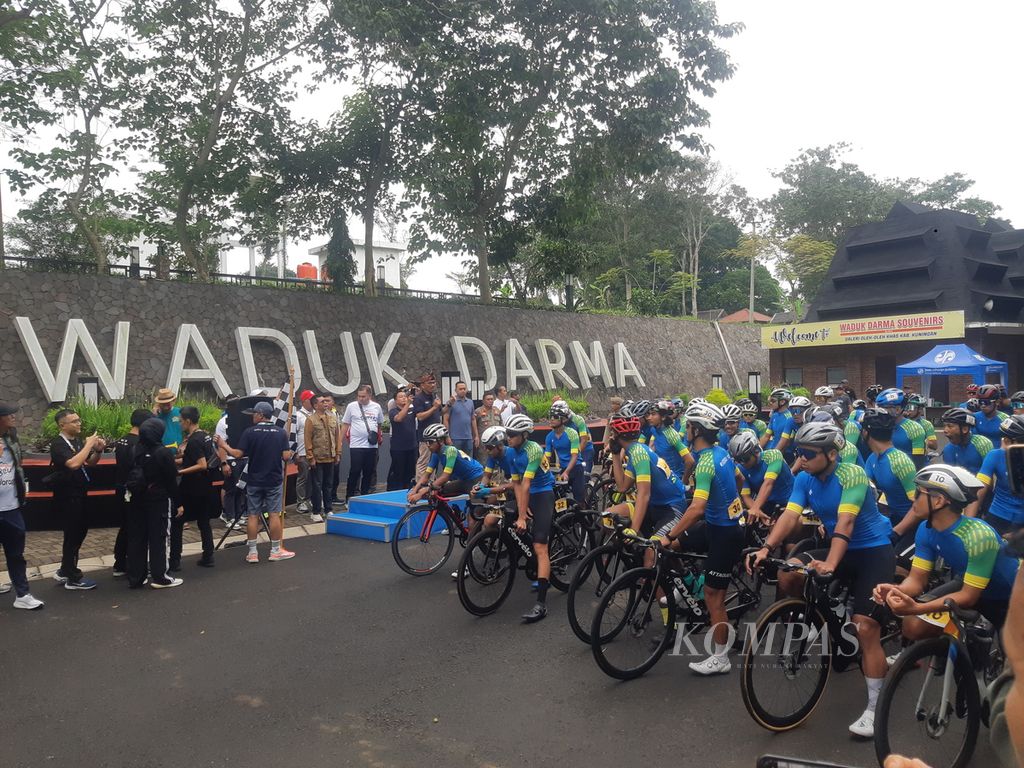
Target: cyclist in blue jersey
750	413
892	472
663	439
1006	513
908	435
780	424
857	409
732	425
767	479
859	551
964	449
660	497
982	572
989	417
716	502
533	485
914	411
1017	403
678	407
577	422
449	471
562	445
798	407
494	440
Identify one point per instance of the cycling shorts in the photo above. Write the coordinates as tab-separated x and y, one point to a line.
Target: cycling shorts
993	610
455	487
862	570
1001	524
725	549
542	509
656	518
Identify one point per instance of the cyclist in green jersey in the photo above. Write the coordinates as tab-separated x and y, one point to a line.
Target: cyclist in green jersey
665	441
456	474
750	413
914	411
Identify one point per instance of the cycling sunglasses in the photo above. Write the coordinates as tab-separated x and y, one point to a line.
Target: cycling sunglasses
986	402
808	453
797	410
1016	404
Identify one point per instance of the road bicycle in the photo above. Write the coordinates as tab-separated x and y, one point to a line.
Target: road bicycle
932	702
795	645
425	535
643	609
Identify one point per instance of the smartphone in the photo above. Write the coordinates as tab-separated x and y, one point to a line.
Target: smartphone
774	761
1015	468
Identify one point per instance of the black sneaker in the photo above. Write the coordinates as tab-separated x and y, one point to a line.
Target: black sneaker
80	583
174	567
206	562
538	612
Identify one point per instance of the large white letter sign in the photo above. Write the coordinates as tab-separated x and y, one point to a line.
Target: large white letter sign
550	368
189	336
76	337
595	365
245	336
514	353
490	373
316	366
625	368
378	362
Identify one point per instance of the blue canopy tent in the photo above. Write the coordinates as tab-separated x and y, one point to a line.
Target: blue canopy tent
951	360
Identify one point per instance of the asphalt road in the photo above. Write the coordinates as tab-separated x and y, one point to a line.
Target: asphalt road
336	658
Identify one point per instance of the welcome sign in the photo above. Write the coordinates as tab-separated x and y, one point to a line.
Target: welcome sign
930	325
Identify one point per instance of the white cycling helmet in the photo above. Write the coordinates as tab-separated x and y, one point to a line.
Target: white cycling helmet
731	412
823	392
519	424
493	436
956	483
799	401
435	432
706	415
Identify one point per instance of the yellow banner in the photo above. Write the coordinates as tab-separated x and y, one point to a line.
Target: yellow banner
865	330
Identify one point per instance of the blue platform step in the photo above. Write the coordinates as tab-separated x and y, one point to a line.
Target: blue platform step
375	517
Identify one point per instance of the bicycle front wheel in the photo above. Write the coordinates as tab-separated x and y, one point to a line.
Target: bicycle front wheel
423	541
919	714
786	665
631	630
486	573
596	571
568	545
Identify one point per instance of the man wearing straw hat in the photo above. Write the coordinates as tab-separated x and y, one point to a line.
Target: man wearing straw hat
266	446
170	415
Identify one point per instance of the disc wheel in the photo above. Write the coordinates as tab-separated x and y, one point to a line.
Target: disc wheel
423	541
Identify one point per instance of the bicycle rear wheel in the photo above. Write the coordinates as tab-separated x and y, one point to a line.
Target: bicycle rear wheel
486	573
596	571
786	665
423	540
568	545
912	717
630	632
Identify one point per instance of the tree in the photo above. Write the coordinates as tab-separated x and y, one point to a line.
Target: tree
340	266
725	292
525	86
803	262
949	192
700	187
213	102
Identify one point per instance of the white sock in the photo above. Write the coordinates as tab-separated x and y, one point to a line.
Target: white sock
874	687
251	543
275	546
721	651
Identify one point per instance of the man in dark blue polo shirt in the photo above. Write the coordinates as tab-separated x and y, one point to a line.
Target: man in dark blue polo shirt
266	447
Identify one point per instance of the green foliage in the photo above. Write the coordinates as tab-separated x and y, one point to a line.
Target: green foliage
113	419
803	263
800	392
538	404
717	396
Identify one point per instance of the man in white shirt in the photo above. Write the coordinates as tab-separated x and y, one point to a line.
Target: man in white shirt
302	503
361	429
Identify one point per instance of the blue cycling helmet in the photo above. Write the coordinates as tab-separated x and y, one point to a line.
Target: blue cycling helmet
891	398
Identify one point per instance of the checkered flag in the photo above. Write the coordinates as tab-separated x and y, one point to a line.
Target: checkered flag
281	418
243	477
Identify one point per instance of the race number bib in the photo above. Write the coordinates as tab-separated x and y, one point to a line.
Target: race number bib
735	509
936	619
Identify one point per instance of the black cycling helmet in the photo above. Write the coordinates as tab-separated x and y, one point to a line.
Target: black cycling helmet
958	416
1012	427
859	405
877	418
874	391
973	405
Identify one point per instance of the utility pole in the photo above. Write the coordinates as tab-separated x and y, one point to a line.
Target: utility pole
753	264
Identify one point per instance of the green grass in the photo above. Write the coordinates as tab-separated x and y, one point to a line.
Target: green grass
538	404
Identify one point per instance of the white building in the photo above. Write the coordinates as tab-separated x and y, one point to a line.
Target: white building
385	257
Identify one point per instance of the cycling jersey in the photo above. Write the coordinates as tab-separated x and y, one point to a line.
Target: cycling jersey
455	463
528	462
724	437
564	446
771	466
909	437
893	474
974	553
645	466
758	426
927	426
854	417
1004	504
988	426
851	431
668	444
679	425
850	455
715	481
502	461
780	425
580	425
844	491
969	456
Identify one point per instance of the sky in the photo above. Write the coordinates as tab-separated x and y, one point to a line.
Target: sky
916	88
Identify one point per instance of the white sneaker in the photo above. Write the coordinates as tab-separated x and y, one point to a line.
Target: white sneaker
4	589
890	660
166	584
28	603
712	665
865	725
315	518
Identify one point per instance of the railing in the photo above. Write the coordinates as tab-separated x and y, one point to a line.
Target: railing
249	281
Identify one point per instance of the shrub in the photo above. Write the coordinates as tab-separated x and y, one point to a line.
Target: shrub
717	397
538	404
113	419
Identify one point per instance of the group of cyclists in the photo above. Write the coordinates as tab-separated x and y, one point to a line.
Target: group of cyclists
865	473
